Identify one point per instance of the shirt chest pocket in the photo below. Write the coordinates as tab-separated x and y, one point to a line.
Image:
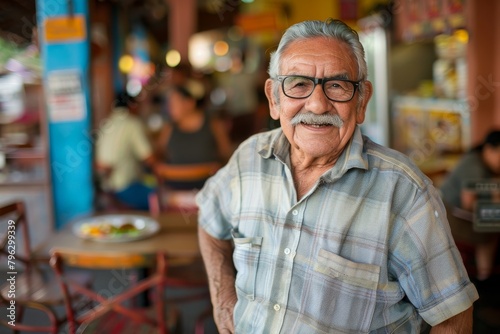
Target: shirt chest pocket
344	291
246	258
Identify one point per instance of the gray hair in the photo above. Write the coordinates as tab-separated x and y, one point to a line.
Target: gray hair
330	28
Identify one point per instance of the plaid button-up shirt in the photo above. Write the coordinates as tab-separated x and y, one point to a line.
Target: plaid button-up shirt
367	249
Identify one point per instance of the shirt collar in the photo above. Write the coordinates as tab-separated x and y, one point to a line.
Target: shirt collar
353	156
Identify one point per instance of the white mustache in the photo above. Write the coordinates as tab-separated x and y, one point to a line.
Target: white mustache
312	118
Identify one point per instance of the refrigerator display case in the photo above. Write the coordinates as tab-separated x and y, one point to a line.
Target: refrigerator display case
433	132
376	41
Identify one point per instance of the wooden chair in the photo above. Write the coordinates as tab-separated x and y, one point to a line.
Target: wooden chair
191	277
119	312
168	198
33	285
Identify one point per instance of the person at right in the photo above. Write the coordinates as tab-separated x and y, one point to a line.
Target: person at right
480	163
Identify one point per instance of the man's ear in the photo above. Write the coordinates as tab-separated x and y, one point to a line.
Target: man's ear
367	94
274	109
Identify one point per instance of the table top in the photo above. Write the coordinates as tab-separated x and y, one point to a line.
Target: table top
177	237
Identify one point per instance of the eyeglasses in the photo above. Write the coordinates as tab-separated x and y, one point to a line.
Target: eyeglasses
301	87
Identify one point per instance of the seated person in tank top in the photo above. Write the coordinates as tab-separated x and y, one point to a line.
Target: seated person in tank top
191	136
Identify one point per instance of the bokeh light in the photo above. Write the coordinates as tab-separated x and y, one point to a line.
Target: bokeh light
221	48
173	58
134	87
126	63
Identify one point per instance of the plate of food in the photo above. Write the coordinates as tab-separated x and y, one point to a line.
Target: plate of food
116	228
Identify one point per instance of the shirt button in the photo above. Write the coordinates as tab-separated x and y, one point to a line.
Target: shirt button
436	214
287	251
295	212
277	307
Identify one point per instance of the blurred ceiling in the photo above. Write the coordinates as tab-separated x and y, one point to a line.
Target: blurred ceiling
153	14
18	17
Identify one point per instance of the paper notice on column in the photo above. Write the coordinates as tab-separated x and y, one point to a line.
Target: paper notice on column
11	98
65	97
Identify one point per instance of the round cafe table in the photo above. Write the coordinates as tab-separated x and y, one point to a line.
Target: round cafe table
177	238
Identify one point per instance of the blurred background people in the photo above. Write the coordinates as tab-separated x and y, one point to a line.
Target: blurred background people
479	164
123	152
191	135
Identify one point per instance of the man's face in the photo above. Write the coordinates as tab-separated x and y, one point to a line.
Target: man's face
321	58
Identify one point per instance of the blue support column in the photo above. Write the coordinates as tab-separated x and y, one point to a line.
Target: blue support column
64	38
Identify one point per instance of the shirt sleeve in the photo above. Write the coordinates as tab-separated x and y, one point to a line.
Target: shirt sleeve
139	141
427	262
218	201
106	151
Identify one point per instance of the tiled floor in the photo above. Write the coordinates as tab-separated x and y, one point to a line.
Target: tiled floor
486	309
109	282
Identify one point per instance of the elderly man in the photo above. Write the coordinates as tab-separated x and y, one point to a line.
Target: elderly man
313	228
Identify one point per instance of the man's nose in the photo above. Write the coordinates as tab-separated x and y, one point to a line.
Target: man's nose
317	101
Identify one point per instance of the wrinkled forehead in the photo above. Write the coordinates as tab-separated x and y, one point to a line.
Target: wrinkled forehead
319	56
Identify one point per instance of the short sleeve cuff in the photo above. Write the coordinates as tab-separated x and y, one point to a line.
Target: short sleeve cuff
452	306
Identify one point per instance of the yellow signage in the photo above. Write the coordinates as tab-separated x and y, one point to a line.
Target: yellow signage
254	23
65	28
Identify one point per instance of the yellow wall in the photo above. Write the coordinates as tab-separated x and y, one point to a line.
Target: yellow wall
312	10
324	9
306	9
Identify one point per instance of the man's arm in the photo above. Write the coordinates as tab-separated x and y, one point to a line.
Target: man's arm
461	323
217	256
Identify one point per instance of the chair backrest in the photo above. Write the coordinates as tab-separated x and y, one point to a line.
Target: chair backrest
103	305
167	197
188	172
34	289
14	233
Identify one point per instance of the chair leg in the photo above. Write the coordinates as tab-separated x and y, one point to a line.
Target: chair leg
21	327
200	321
19	317
154	204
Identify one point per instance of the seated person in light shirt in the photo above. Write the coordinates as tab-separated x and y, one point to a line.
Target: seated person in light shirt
314	228
123	151
479	164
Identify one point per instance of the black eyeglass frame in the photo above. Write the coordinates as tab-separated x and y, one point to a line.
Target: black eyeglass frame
316	81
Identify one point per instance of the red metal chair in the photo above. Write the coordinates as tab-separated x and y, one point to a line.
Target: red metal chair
192	278
33	287
118	313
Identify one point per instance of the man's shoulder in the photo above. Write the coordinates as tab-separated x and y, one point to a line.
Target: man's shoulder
262	140
386	158
381	151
